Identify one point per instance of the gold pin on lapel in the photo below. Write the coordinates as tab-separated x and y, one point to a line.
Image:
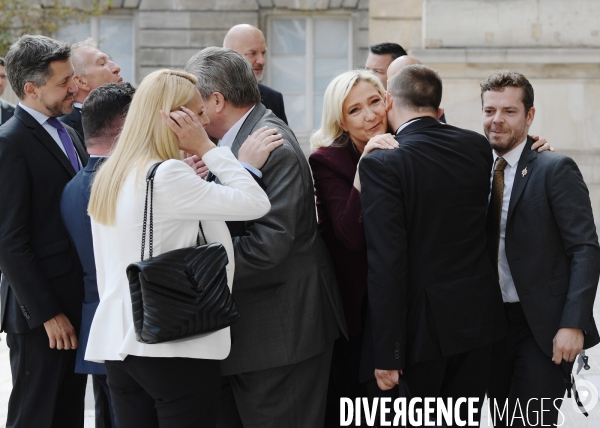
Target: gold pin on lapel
524	172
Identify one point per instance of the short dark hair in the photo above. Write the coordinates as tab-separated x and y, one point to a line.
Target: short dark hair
102	107
417	87
225	71
2	63
29	59
498	80
393	49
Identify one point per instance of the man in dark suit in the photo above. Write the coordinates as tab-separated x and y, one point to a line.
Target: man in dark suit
434	304
249	41
42	283
6	109
103	114
91	68
543	243
284	286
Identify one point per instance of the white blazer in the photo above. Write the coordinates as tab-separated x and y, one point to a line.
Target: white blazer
181	198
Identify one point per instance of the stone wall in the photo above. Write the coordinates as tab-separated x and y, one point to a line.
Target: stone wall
556	44
171	31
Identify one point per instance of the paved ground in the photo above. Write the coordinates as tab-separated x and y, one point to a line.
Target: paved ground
572	418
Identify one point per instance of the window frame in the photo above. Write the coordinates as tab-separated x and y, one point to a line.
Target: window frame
309	91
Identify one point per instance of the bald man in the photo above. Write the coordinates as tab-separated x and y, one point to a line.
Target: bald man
401	62
249	41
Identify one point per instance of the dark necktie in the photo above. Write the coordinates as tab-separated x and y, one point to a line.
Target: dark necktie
494	216
66	141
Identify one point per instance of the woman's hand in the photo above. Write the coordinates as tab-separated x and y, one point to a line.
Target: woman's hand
197	165
383	141
190	133
540	144
256	149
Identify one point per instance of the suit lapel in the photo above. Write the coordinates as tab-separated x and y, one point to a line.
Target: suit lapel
524	168
247	127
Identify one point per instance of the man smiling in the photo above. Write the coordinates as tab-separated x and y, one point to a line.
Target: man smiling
92	68
543	244
42	278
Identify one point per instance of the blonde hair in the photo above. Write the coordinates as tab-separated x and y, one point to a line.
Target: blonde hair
145	136
333	101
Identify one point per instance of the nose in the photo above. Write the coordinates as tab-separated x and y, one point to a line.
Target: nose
72	87
369	114
260	59
115	68
498	117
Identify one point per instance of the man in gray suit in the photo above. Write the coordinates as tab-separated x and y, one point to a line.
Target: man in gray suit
284	284
542	241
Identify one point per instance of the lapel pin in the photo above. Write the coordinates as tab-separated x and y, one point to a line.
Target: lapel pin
524	172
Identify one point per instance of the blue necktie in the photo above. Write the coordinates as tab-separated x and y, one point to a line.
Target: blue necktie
66	141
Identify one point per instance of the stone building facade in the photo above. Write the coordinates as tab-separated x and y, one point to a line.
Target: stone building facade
555	43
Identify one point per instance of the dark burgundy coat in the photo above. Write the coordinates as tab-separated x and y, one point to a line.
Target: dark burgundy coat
340	225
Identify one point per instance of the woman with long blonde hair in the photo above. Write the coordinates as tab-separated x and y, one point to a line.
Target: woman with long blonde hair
171	384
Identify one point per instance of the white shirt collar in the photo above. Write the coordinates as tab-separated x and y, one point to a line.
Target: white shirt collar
229	137
404	125
512	157
78	105
40	117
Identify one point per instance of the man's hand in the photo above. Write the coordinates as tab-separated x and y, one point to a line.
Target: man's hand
197	165
567	344
387	379
540	144
256	149
61	333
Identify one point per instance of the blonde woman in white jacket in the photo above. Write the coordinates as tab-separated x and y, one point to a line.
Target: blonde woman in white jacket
172	384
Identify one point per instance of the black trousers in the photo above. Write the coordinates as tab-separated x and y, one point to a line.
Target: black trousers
105	417
46	390
291	396
454	376
344	377
520	372
154	392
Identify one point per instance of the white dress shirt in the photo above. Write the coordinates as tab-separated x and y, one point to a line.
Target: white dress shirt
42	119
229	138
181	199
507	285
404	125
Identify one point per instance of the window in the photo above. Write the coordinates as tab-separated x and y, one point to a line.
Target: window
304	55
115	38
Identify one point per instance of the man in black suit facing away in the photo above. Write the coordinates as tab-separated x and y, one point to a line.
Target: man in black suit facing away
249	41
542	240
103	115
91	68
42	283
6	109
434	304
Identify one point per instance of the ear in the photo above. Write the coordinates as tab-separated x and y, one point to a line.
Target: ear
389	101
31	90
440	113
219	101
344	127
81	83
530	116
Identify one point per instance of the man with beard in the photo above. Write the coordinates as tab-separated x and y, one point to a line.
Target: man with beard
543	245
249	41
42	282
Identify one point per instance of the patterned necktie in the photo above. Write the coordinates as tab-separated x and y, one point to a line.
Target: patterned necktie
494	216
66	141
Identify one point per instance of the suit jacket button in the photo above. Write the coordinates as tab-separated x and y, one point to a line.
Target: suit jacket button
397	355
397	345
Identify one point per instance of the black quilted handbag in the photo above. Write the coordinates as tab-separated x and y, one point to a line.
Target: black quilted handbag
180	293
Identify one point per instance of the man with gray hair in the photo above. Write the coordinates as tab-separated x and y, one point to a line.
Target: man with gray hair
284	286
42	278
91	68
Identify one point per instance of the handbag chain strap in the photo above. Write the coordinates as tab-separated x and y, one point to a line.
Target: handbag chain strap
150	190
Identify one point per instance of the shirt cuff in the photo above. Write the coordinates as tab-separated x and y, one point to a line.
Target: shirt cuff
252	169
